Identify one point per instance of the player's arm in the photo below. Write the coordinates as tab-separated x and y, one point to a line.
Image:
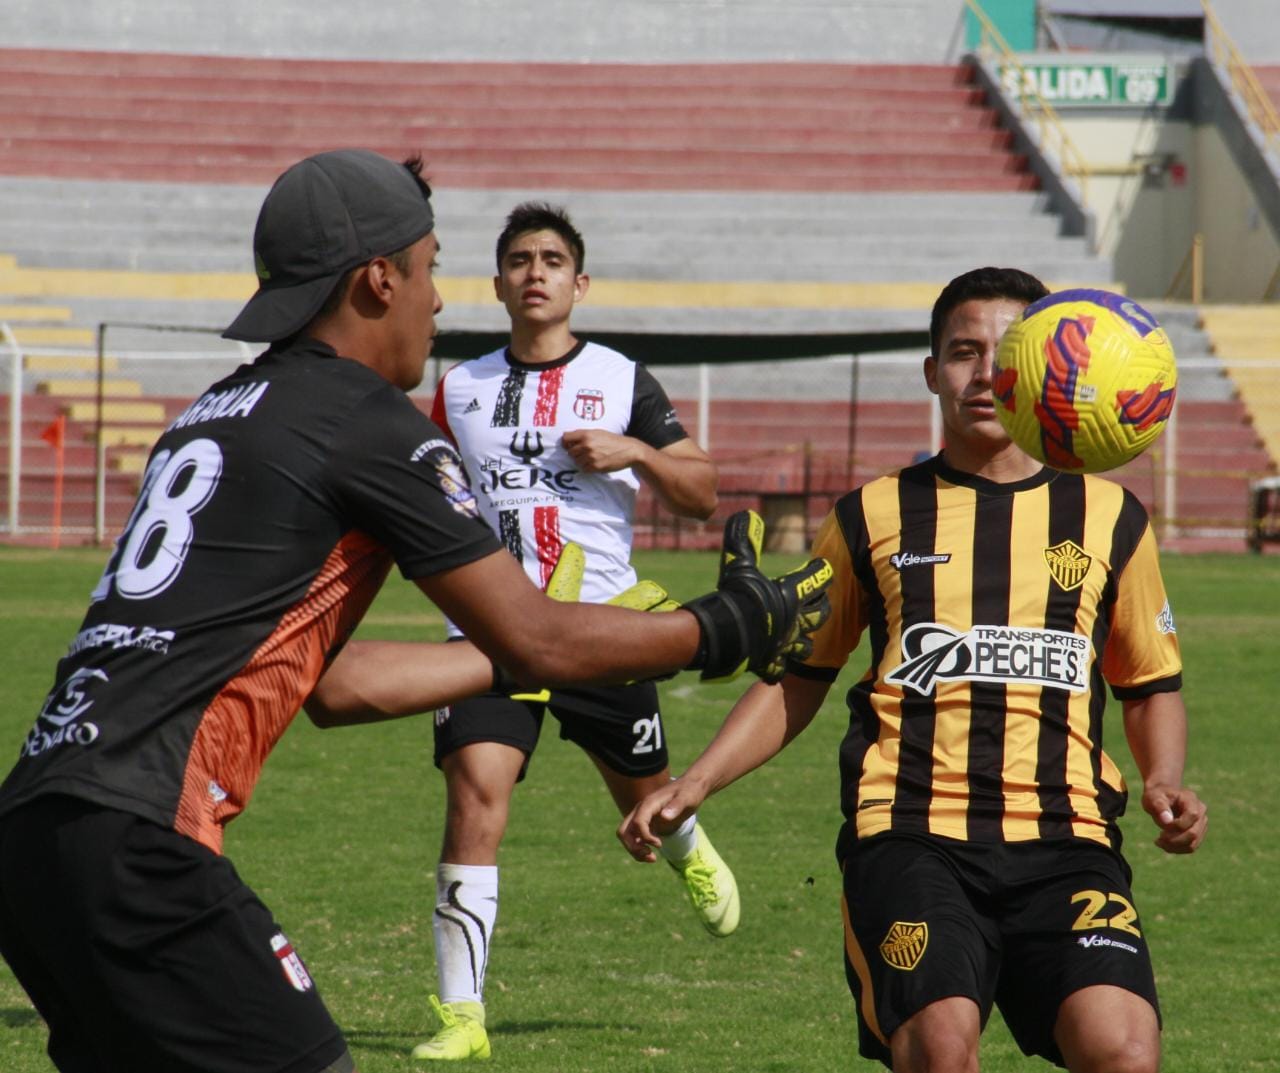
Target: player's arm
371	681
1156	728
765	719
681	474
543	642
749	622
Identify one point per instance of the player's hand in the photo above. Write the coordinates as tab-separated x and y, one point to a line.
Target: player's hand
597	450
565	585
661	812
751	622
1181	816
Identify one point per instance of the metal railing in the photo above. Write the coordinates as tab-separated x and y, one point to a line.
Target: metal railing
1192	266
1223	52
1050	131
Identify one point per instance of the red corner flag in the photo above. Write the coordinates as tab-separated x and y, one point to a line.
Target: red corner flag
55	432
55	435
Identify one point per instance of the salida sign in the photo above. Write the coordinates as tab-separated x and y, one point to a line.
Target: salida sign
1069	84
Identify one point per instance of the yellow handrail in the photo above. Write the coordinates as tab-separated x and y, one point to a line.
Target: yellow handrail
1224	52
1193	262
1033	104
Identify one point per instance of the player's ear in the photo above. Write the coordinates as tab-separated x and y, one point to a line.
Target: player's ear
377	278
497	289
581	285
931	373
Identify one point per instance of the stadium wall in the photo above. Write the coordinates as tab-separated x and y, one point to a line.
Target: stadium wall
884	31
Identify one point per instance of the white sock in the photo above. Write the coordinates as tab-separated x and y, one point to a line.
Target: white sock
681	842
466	908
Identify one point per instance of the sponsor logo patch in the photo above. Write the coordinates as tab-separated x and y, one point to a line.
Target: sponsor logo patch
62	710
1164	620
933	652
1068	563
900	560
1090	941
905	943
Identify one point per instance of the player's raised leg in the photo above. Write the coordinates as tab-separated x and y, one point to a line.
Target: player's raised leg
707	880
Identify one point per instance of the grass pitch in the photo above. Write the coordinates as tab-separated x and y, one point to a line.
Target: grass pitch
597	963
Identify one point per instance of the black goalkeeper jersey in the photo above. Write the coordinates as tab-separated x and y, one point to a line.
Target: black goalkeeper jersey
270	513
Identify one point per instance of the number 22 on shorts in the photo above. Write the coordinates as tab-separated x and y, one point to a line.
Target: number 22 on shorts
1090	918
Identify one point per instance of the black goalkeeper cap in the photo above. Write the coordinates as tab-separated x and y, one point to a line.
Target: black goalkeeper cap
324	216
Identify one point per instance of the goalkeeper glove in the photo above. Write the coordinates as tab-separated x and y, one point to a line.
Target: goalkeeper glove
565	585
751	622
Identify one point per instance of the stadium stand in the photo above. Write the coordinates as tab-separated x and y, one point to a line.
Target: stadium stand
750	199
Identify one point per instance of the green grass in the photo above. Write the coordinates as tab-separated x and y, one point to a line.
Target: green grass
597	964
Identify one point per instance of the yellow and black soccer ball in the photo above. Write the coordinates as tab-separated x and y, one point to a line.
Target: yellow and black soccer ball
1085	380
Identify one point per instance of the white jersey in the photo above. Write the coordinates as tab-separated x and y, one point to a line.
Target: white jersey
507	419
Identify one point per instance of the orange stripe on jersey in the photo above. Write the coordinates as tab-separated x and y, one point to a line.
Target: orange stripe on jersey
548	401
859	962
245	720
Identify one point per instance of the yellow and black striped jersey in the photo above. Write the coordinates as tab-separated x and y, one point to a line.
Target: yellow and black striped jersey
998	614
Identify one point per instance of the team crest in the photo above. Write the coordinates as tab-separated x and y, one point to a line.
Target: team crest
1068	563
290	964
904	946
589	404
452	477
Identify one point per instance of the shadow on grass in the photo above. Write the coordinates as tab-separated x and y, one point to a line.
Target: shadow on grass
19	1017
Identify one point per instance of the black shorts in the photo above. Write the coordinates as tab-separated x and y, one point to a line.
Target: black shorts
621	725
1022	924
143	950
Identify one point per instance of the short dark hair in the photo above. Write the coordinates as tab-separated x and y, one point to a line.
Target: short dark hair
982	283
540	216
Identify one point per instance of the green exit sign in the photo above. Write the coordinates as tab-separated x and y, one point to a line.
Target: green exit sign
1066	85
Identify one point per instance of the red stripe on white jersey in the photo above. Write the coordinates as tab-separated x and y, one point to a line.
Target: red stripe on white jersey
549	383
546	531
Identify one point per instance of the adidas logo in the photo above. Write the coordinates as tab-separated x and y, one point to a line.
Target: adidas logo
472	406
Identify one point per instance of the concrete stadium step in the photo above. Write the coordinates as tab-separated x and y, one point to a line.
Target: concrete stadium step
301	139
68	363
244	74
35	314
658	126
122	412
127	436
265	171
88	388
127	63
963	161
415	121
32	335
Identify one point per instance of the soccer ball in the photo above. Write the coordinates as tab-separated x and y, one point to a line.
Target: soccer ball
1084	380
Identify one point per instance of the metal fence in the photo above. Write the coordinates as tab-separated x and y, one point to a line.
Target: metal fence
789	437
